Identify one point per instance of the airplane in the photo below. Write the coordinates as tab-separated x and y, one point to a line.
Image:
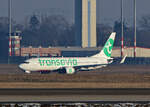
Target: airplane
70	65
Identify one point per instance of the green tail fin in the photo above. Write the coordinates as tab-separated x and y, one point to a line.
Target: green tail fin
107	49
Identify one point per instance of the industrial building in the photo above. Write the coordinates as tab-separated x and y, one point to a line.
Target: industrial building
85	23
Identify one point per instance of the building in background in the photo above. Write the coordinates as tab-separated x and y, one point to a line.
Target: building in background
39	51
14	44
85	23
15	48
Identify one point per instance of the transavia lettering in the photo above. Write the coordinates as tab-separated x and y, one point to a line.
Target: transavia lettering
58	62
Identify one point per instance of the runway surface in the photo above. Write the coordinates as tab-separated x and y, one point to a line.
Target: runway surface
68	95
14	69
112	83
77	91
121	76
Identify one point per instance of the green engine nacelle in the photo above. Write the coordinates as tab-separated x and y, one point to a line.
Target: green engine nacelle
70	70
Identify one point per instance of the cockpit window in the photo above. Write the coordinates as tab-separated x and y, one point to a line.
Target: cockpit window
26	62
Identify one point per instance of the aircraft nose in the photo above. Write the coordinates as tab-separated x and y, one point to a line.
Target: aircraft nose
21	66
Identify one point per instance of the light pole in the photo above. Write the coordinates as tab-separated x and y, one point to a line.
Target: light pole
122	29
134	28
9	14
10	29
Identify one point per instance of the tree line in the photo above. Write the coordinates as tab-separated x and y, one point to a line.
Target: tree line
56	31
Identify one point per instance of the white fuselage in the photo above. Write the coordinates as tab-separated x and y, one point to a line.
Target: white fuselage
46	64
70	64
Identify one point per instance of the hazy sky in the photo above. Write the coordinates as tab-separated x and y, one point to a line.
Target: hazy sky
107	10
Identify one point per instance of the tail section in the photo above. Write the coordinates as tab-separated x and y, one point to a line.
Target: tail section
107	49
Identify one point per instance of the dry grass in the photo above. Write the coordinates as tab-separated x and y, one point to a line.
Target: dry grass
124	76
72	85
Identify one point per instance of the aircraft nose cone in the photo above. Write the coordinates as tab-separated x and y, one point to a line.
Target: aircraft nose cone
21	66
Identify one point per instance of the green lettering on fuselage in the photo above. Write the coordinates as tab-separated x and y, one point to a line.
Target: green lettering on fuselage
58	62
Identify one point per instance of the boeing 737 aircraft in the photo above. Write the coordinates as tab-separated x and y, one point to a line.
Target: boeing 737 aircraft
71	64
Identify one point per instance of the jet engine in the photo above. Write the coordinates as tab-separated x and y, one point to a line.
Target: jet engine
28	72
70	70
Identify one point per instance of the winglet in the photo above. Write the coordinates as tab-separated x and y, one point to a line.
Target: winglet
123	59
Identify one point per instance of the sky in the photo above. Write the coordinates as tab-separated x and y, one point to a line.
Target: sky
107	10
